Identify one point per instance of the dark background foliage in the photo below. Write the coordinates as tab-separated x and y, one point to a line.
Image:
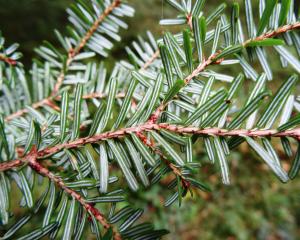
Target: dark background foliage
255	206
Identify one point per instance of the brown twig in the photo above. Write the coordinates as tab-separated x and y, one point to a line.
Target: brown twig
211	60
73	52
152	146
151	60
31	159
5	166
71	55
8	60
44	102
101	95
275	33
189	20
295	133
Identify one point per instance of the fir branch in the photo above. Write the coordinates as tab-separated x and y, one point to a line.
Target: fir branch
50	100
31	159
151	60
214	59
174	169
71	55
275	33
73	52
146	127
5	166
47	101
295	133
135	146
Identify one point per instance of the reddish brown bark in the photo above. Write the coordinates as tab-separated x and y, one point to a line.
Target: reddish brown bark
7	60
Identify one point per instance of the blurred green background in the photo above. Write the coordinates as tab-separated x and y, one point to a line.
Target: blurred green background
255	206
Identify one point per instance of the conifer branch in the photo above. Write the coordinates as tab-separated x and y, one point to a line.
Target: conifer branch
6	166
151	60
195	73
274	33
31	160
73	52
47	101
128	128
212	60
50	100
152	146
146	127
295	133
71	55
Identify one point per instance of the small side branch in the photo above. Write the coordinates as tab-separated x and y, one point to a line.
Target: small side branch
5	166
8	60
44	102
96	24
211	60
151	60
174	169
73	52
94	95
40	169
278	31
294	133
71	55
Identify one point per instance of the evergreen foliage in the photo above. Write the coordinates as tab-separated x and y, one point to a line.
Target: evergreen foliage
72	131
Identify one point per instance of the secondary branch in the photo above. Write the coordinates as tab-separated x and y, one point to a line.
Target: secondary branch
211	60
8	60
73	52
71	55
